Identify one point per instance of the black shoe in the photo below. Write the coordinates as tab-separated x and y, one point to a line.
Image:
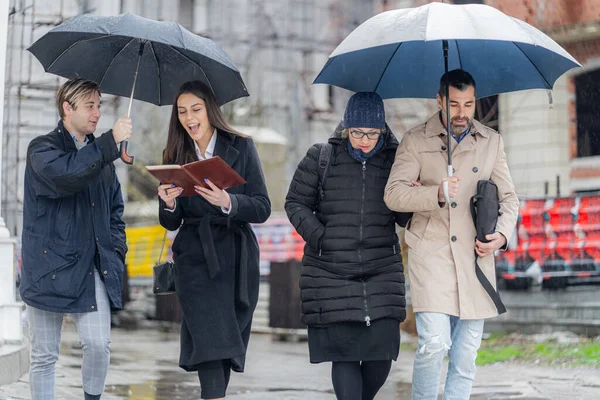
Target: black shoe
92	396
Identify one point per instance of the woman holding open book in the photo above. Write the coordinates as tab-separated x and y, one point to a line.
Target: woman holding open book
215	251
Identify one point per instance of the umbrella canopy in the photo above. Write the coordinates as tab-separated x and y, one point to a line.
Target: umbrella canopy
399	53
109	51
404	53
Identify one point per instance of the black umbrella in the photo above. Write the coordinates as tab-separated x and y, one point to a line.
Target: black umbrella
113	50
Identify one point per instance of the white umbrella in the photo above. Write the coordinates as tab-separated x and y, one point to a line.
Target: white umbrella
403	53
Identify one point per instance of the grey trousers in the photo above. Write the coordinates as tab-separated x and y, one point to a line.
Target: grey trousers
94	336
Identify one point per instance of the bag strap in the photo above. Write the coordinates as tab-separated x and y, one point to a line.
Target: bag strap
324	160
493	293
162	247
483	280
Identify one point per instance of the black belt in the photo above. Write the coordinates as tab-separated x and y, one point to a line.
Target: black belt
210	252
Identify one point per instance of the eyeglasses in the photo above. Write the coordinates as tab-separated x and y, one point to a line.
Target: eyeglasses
370	135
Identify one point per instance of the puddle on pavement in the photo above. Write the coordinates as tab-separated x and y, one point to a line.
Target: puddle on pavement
155	391
114	361
404	390
295	390
173	385
169	385
163	390
75	350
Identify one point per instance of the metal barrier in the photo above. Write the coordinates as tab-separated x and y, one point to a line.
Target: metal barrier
558	236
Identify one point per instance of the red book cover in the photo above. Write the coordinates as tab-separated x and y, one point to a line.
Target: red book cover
187	176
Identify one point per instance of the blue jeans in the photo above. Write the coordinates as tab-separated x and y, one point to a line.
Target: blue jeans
440	334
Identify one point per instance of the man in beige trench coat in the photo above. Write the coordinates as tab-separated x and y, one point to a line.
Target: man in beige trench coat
449	301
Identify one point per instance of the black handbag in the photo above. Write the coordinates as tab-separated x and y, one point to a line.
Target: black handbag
163	274
485	209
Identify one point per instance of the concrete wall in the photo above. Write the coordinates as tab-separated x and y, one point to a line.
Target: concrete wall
279	47
30	108
574	23
536	138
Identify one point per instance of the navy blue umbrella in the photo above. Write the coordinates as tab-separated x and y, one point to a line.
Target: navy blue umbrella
403	53
131	56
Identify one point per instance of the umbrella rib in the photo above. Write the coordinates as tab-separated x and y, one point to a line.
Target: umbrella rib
113	60
535	66
458	52
198	65
158	68
387	65
73	45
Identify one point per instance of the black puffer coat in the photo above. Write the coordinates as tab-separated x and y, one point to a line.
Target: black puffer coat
352	267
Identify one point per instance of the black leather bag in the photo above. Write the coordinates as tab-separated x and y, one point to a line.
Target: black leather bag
163	274
485	209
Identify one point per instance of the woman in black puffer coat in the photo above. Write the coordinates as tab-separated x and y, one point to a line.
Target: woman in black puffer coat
352	281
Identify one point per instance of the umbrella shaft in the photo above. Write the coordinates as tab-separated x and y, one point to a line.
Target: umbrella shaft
135	76
445	46
450	169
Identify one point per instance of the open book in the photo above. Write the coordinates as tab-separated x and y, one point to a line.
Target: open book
189	175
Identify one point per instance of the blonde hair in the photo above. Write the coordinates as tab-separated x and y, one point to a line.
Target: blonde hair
73	90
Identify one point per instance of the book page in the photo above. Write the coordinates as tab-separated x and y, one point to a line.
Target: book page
159	167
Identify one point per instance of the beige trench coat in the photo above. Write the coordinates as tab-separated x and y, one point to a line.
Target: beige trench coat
441	240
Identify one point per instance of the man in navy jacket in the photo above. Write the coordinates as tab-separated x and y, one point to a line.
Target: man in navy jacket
73	237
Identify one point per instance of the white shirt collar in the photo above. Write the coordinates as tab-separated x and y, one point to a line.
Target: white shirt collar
210	149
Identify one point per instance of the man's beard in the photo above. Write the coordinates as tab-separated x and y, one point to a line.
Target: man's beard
460	129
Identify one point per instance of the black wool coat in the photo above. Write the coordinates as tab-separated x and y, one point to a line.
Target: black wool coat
352	267
217	261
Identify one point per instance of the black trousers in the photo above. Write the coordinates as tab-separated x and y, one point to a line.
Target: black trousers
355	380
214	378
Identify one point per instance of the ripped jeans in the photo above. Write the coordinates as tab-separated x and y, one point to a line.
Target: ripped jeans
441	334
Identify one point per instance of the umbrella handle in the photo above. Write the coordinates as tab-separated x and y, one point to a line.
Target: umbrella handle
449	199
127	159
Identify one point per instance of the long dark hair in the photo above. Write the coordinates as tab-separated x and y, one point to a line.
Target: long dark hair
180	146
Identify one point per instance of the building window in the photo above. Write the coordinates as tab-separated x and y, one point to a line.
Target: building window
587	98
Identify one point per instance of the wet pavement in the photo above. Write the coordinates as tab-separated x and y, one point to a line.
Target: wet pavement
144	367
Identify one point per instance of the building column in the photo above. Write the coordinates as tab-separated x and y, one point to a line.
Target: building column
10	310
